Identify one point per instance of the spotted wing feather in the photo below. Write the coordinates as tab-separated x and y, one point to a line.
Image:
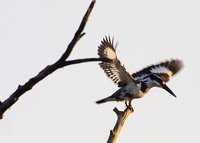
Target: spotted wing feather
113	69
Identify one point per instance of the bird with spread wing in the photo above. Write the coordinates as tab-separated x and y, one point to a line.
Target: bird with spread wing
136	85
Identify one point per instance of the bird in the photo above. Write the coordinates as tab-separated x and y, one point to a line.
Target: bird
136	85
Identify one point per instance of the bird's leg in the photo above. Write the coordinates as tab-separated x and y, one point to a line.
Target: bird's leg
126	104
130	106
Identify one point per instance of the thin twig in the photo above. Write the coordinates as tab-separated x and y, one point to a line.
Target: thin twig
5	105
78	33
121	118
78	61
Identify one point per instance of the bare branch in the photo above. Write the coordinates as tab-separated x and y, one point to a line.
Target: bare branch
78	33
5	105
121	118
78	61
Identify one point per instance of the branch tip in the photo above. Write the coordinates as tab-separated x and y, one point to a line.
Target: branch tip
116	111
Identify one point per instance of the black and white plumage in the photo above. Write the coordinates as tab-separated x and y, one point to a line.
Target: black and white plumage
135	85
161	73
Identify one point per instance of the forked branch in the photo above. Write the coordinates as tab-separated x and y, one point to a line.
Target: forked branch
121	118
5	105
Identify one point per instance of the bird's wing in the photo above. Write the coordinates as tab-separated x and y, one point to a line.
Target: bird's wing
113	69
164	70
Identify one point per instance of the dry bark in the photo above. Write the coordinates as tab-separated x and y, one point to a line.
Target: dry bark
60	63
121	118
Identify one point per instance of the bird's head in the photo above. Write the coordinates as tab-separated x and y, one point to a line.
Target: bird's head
156	81
157	75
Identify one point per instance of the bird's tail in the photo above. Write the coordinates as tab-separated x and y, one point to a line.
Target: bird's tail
105	100
113	97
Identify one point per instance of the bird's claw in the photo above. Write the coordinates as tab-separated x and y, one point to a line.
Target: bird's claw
126	104
129	106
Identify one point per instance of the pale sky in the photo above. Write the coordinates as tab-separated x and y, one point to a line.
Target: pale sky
62	108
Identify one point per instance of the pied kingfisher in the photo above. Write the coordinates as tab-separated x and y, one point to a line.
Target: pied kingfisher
138	84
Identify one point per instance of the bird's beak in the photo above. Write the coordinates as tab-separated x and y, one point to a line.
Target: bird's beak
164	86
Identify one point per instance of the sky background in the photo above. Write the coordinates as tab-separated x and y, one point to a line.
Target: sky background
62	108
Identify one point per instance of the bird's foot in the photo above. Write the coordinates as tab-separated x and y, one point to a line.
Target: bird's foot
126	104
130	108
